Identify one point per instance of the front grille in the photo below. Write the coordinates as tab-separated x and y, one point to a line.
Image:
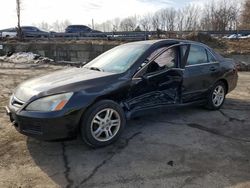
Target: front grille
16	102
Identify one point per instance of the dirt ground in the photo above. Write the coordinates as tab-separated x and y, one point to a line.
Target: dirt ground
188	147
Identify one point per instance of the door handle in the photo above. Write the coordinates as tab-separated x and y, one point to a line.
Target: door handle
212	69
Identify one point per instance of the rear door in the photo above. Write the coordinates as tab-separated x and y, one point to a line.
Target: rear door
201	71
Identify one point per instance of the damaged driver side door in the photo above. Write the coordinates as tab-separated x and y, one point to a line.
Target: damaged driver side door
158	81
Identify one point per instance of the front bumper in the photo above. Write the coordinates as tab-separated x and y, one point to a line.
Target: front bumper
45	126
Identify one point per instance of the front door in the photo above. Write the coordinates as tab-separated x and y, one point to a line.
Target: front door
158	81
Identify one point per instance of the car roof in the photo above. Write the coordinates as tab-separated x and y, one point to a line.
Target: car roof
77	26
167	41
28	27
12	28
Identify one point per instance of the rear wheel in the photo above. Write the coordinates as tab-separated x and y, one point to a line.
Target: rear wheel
216	96
102	123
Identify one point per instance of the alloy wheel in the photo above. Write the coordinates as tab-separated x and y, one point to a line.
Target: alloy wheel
218	96
105	124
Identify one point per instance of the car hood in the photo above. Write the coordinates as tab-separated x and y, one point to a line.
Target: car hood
60	81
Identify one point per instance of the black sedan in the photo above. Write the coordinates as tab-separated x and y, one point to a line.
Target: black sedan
78	29
129	80
83	31
33	32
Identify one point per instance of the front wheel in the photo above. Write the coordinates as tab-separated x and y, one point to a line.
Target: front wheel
102	123
216	96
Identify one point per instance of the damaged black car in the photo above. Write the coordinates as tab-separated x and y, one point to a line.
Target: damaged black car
96	100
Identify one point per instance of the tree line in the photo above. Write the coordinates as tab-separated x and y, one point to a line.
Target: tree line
215	15
219	15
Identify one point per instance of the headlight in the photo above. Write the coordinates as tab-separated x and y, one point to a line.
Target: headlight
51	103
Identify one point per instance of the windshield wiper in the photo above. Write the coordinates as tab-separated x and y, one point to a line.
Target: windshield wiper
96	68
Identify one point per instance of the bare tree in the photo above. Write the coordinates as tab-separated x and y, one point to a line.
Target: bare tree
234	17
180	20
245	17
65	24
218	15
116	23
45	26
162	14
59	26
145	22
98	26
18	10
156	21
109	25
128	24
191	17
168	18
221	15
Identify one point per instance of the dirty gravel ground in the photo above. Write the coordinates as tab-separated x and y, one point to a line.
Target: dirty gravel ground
189	147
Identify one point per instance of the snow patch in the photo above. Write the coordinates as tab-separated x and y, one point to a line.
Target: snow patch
25	57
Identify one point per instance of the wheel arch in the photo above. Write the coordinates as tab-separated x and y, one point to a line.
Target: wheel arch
109	97
225	82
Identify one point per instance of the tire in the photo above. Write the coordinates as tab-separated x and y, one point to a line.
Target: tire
216	96
102	124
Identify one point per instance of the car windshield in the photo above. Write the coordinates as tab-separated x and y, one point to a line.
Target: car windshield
118	59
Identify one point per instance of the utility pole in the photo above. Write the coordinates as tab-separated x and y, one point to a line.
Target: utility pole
18	10
93	24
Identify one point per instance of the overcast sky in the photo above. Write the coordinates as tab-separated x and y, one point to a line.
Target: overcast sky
80	11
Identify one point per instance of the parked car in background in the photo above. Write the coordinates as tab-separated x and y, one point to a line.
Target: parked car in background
95	101
237	36
31	31
78	29
245	37
84	31
8	33
233	36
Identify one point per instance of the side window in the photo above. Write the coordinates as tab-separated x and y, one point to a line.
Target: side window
210	57
152	55
197	55
166	60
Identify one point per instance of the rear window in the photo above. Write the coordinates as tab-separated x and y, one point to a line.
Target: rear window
197	55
